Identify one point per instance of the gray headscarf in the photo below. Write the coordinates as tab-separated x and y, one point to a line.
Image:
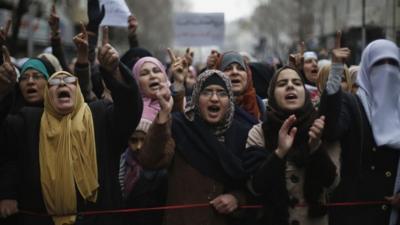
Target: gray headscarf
380	93
232	57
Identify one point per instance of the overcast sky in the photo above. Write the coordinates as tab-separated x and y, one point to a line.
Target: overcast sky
233	9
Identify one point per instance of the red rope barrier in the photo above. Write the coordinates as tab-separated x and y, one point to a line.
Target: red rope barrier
189	206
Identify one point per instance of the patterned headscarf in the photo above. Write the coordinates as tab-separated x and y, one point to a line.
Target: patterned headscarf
193	110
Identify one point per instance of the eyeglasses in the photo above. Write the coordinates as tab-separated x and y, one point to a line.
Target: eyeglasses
66	80
210	93
34	77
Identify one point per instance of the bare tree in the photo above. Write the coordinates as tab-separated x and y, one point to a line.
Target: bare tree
155	24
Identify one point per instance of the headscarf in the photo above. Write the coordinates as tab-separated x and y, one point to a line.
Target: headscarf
213	150
261	75
299	154
67	156
193	110
37	65
52	60
248	99
310	86
305	116
150	106
310	55
380	93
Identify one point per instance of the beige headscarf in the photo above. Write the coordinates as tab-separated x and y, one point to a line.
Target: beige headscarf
67	155
52	60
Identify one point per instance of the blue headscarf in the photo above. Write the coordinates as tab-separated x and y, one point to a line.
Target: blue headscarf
37	65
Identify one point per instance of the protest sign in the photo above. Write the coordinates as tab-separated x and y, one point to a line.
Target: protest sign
199	29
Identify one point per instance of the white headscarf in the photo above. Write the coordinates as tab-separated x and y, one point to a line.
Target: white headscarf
380	91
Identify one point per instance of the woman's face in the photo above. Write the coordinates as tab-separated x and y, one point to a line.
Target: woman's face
32	84
238	76
150	78
311	70
62	95
289	91
213	103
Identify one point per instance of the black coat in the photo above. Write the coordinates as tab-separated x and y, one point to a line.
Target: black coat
113	124
368	172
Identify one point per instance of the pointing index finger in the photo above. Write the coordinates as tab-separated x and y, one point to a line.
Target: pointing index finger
105	39
338	39
302	48
6	55
53	9
83	29
8	26
171	55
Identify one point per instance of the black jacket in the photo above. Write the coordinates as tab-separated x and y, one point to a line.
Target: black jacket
113	124
368	172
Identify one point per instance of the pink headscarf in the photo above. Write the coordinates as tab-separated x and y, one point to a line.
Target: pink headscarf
150	106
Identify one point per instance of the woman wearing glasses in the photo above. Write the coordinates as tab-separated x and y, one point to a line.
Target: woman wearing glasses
63	158
30	87
201	149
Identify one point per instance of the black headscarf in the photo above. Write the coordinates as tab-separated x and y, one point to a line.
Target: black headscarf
262	74
305	117
319	169
131	56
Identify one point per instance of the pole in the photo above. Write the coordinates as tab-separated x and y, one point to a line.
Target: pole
394	21
363	29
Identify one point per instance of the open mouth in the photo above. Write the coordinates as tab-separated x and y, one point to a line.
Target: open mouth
314	71
214	108
291	97
64	94
31	91
235	81
155	85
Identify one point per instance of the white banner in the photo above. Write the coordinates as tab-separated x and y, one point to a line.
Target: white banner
199	29
117	13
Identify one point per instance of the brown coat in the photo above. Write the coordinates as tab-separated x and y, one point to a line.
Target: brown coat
186	185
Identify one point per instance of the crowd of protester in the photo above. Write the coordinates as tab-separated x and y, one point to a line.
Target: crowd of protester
304	142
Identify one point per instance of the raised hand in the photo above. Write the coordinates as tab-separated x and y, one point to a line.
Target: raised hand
179	67
4	32
54	22
132	24
315	133
95	15
297	60
225	203
108	55
189	56
166	103
8	76
212	59
286	137
82	45
339	54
